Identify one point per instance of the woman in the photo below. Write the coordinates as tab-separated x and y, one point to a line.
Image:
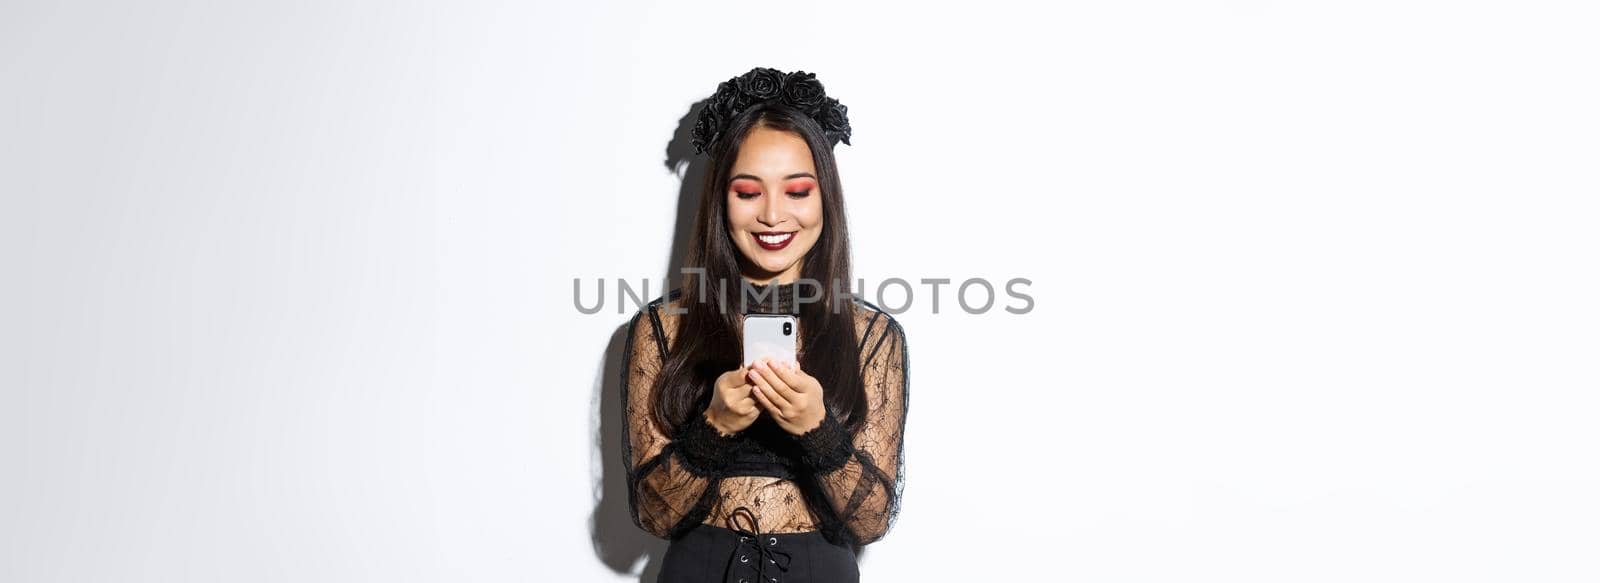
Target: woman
767	473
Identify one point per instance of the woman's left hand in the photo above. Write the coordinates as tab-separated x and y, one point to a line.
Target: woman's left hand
793	397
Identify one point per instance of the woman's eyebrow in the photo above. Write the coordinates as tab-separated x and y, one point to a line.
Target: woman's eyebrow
758	179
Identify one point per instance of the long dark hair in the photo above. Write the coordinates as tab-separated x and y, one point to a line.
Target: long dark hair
706	343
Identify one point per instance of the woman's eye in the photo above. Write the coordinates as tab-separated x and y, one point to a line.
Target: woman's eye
746	195
800	194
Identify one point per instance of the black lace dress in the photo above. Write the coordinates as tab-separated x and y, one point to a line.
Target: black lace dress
765	505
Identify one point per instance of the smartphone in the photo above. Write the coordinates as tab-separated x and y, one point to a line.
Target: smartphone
769	336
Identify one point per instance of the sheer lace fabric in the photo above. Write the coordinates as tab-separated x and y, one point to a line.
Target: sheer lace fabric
846	486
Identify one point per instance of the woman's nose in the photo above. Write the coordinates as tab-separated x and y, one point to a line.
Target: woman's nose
771	210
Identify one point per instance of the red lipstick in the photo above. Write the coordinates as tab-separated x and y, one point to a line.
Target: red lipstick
773	240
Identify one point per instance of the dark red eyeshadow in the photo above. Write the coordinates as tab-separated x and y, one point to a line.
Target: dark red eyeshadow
746	187
799	185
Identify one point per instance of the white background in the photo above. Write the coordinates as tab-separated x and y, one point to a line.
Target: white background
288	286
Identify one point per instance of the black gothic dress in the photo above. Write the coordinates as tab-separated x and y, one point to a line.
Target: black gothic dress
764	505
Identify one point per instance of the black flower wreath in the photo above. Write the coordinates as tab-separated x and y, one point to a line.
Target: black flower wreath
799	90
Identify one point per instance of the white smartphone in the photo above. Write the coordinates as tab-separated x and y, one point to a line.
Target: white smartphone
769	336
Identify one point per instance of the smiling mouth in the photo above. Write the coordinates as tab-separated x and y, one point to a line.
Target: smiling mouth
773	240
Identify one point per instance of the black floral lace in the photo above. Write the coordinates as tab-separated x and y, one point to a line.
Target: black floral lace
847	486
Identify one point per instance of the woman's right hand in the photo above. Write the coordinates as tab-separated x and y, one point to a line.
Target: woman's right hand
732	408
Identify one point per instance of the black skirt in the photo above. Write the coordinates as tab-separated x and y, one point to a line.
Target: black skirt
712	554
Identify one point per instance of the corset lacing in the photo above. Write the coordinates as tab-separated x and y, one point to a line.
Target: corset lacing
758	558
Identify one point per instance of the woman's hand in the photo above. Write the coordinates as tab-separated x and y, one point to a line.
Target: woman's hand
792	397
732	409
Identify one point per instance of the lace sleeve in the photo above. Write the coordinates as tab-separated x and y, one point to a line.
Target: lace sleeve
862	475
671	480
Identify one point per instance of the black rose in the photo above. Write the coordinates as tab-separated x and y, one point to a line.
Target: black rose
803	91
761	83
724	102
834	119
707	128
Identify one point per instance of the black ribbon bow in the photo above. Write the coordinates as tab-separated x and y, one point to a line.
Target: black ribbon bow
756	550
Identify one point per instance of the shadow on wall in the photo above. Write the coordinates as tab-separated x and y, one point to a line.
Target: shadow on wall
618	542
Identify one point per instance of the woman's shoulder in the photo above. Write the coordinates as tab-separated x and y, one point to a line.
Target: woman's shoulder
661	313
873	322
881	340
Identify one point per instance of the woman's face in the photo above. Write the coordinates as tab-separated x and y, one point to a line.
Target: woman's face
774	204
